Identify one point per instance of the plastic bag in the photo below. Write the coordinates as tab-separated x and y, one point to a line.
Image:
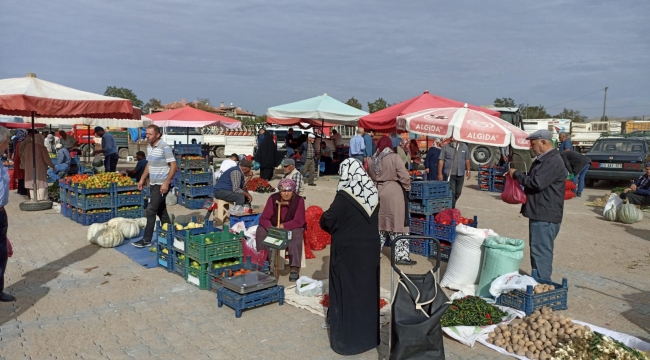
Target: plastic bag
613	201
250	234
238	227
237	210
98	161
446	216
510	281
257	257
171	199
512	192
306	286
10	249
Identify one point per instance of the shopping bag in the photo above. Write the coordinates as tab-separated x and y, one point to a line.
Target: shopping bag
257	257
613	201
512	192
10	249
306	286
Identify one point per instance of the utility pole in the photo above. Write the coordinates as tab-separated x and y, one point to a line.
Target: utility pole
604	104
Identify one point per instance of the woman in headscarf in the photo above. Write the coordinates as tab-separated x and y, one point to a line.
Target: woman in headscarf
43	161
352	220
403	152
19	173
393	182
268	156
292	218
431	161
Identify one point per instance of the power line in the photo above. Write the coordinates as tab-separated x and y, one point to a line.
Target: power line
554	106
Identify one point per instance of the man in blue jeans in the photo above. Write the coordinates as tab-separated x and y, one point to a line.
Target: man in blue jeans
544	188
576	164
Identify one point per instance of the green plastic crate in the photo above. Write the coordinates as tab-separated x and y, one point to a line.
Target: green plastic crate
213	246
197	277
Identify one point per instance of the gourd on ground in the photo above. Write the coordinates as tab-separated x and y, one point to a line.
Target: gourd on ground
128	228
611	214
93	230
142	222
109	238
114	221
629	214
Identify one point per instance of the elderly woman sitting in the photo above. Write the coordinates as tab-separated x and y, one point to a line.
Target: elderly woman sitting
291	217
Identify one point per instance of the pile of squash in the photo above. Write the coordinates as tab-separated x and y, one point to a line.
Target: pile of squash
625	213
115	231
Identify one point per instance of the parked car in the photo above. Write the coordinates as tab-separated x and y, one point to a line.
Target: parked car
617	158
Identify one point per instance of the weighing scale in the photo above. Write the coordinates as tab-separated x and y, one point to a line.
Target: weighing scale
250	282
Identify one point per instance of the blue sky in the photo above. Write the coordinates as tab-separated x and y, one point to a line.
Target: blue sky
258	54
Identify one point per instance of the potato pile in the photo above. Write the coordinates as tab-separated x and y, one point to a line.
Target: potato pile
536	336
542	288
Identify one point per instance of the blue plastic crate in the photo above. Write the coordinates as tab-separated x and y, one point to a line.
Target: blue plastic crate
165	260
187	177
528	302
187	149
485	187
493	170
83	190
430	206
197	191
85	202
445	250
165	237
192	163
429	189
125	200
119	189
178	263
497	187
419	247
65	211
418	226
499	179
208	227
444	232
241	302
130	214
249	220
86	219
193	203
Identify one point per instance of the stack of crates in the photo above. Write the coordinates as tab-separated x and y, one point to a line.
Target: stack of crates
193	179
492	178
428	198
129	201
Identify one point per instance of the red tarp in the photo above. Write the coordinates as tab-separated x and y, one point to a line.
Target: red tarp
385	120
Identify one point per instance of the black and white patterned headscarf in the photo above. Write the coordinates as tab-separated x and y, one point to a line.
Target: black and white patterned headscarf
356	182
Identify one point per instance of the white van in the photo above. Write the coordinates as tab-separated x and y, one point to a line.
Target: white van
183	135
281	132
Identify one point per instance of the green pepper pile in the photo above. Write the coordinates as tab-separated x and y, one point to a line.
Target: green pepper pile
471	311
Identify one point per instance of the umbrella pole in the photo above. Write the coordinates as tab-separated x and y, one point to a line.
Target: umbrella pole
35	186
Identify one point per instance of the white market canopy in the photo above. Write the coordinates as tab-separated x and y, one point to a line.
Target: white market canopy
122	123
322	107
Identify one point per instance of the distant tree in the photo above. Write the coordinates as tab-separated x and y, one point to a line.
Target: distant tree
533	112
202	104
377	105
123	93
153	103
504	102
573	115
604	118
354	103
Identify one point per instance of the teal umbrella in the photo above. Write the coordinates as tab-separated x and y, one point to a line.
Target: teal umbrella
324	108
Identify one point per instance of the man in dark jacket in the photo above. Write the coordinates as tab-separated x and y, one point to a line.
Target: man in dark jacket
639	192
577	164
544	188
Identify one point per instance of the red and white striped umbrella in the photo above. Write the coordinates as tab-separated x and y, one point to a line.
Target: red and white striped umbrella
466	125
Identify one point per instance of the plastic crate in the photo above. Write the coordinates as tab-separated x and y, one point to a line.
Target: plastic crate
165	237
188	178
208	227
484	187
485	179
184	163
493	170
197	277
178	263
241	302
419	226
528	301
118	189
430	206
196	191
83	190
86	219
445	250
130	214
498	188
193	203
164	260
86	202
444	232
62	195
125	199
249	220
419	247
65	210
213	246
187	149
429	190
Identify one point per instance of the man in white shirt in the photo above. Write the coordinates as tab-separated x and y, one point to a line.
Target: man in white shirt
336	138
226	164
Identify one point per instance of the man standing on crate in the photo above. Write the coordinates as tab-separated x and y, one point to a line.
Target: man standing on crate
453	166
160	169
109	149
544	187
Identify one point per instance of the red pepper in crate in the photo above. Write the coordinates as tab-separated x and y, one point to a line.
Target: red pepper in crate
446	216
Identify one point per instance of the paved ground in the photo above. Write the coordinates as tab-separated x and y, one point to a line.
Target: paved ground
69	309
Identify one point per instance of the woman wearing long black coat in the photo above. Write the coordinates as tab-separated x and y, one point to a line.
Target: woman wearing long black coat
268	156
353	222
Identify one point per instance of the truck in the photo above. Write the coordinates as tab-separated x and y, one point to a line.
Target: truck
584	135
86	143
222	142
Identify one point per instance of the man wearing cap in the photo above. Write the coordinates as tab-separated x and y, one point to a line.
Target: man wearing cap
544	188
62	162
292	173
109	149
309	155
639	192
231	184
